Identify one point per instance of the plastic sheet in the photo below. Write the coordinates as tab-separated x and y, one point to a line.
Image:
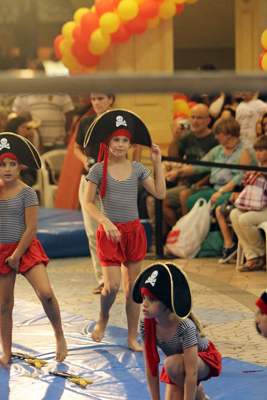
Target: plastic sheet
117	373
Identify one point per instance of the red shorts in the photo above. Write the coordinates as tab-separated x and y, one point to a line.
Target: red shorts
33	256
132	246
211	356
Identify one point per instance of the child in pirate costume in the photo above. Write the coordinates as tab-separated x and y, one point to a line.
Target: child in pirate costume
261	316
169	323
121	239
20	251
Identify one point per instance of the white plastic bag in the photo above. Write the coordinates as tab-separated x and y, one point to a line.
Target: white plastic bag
186	236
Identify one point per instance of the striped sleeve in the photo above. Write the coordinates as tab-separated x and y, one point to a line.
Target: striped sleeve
30	198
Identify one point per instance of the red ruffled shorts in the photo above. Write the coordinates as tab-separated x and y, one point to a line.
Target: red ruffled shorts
33	256
132	246
211	356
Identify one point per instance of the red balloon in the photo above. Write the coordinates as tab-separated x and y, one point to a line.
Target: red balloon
180	115
149	9
57	40
89	23
78	36
137	25
83	55
116	3
179	8
179	96
103	6
121	35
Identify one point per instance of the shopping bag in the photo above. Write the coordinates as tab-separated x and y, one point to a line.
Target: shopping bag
185	238
254	195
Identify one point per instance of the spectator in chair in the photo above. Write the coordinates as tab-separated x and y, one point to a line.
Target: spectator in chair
192	145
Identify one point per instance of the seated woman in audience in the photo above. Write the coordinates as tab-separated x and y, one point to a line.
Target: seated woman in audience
245	225
230	151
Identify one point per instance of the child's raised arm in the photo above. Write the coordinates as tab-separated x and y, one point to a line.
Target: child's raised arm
157	186
191	371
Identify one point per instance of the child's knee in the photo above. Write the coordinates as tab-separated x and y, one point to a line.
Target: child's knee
174	365
7	305
46	296
111	289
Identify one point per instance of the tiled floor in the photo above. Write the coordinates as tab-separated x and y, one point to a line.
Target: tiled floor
223	300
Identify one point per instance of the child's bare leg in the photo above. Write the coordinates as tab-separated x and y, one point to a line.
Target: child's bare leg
112	278
38	278
130	272
174	392
7	283
200	393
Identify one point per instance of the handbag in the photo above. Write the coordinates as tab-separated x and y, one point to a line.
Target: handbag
254	195
186	236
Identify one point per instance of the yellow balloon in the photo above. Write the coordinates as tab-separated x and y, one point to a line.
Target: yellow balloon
191	1
167	10
92	9
128	9
181	106
109	22
67	29
97	51
153	22
79	13
264	39
71	63
179	1
65	47
264	62
99	41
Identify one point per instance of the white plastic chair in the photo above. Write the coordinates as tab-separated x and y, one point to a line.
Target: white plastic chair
52	162
240	254
38	186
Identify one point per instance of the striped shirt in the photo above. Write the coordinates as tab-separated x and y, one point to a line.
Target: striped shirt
12	215
120	201
186	335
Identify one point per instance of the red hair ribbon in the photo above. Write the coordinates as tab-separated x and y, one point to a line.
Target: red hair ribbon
150	334
103	153
9	155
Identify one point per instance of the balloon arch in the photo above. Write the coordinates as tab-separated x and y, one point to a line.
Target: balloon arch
87	37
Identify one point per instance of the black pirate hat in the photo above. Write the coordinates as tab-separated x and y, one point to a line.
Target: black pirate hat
115	120
21	147
169	284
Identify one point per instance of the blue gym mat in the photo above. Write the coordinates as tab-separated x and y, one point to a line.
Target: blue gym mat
117	373
62	233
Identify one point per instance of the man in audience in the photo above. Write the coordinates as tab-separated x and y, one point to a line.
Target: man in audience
193	146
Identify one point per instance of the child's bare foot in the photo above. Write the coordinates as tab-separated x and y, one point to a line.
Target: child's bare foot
134	345
200	395
5	361
99	329
62	350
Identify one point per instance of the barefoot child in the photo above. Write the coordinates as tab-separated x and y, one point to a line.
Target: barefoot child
169	323
20	251
121	239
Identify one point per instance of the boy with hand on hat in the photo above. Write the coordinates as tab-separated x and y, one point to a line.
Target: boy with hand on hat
169	323
261	316
121	239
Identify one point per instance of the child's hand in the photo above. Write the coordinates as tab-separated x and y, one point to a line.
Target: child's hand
155	153
112	231
13	263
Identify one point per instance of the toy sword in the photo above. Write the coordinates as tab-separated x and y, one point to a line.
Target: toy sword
72	378
30	359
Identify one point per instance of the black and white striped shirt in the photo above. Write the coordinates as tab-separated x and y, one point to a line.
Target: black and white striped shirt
120	201
186	335
12	215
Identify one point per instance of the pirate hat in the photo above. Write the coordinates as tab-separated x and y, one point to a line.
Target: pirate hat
21	147
117	120
168	283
